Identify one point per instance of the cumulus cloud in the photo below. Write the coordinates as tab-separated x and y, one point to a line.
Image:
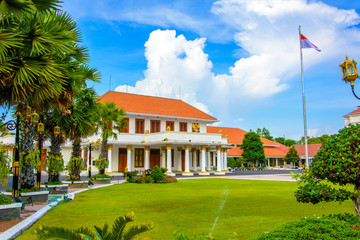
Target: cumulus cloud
176	68
267	31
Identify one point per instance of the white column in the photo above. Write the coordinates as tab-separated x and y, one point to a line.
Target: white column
163	157
168	160
214	159
225	160
268	162
277	162
187	161
128	162
109	154
147	158
208	159
194	159
179	162
219	159
203	161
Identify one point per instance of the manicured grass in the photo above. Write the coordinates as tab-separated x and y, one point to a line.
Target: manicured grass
242	206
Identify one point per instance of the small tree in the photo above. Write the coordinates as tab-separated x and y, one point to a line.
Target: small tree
338	162
253	149
292	155
157	174
4	167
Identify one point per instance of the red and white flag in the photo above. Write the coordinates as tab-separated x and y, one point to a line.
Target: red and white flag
305	43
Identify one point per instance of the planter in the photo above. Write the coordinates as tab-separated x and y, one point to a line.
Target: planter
55	189
101	181
76	184
36	197
10	211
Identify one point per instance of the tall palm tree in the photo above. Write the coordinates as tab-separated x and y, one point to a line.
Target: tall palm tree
116	233
80	122
111	118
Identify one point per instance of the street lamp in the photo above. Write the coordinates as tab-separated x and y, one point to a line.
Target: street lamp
17	126
350	73
92	146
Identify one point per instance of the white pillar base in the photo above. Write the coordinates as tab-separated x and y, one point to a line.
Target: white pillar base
219	173
204	173
187	174
170	174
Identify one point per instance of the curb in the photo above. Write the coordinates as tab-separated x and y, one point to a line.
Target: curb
17	230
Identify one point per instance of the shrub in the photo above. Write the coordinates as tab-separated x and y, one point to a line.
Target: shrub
163	170
157	174
5	200
313	228
101	164
169	179
146	179
347	217
181	235
97	176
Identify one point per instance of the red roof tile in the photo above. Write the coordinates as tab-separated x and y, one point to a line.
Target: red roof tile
357	111
312	149
236	136
135	103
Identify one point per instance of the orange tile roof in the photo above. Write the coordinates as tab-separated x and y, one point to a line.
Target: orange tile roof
236	136
353	112
312	149
135	103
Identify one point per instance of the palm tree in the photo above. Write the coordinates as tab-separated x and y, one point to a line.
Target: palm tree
112	118
117	232
79	123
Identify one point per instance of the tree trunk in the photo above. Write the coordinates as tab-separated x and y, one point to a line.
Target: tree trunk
55	149
103	154
356	202
75	174
27	176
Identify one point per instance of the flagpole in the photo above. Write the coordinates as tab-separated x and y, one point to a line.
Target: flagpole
303	99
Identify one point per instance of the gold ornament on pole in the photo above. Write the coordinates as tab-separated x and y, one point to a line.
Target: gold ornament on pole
349	70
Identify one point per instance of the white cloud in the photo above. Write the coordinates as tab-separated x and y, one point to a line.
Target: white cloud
175	65
266	30
239	120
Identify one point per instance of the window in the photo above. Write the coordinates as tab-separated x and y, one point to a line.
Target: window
169	126
139	158
139	125
125	129
183	127
154	126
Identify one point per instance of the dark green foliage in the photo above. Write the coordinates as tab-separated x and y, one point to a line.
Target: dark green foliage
146	179
53	183
292	156
157	174
163	170
33	189
264	133
101	164
4	167
253	150
233	163
337	161
5	199
314	228
346	217
99	176
286	142
116	233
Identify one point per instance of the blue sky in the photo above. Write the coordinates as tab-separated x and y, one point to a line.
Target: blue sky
238	60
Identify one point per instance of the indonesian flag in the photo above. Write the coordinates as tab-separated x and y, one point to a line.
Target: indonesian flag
305	43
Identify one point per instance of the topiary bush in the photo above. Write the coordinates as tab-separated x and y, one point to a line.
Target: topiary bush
146	179
163	170
314	228
157	175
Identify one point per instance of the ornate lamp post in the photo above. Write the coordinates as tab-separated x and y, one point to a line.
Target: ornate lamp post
17	126
350	73
92	146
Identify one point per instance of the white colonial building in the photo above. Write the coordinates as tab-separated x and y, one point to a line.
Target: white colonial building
160	131
352	118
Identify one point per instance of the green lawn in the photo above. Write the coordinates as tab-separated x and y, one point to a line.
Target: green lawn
192	204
